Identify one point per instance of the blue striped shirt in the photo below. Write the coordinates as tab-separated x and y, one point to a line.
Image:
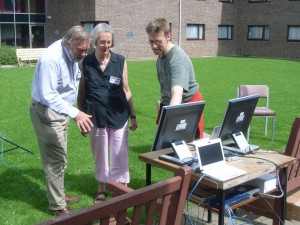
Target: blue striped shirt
56	79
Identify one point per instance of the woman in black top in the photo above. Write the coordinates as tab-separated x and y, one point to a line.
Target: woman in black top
104	93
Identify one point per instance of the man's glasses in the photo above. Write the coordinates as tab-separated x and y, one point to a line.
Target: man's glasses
157	42
82	50
78	49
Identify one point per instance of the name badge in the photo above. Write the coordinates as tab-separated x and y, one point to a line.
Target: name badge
114	80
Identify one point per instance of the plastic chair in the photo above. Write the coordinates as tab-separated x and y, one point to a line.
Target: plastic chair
260	111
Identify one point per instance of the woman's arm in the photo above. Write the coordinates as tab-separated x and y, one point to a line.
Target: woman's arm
128	94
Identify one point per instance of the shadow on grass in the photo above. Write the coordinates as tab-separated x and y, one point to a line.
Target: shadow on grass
31	182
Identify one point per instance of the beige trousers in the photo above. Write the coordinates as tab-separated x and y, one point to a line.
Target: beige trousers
51	133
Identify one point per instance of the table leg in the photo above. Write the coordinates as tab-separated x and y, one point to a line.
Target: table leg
148	174
209	216
283	199
222	207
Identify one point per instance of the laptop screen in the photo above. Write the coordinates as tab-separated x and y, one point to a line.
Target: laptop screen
210	152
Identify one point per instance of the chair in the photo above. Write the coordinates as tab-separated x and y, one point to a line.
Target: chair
260	111
260	207
166	199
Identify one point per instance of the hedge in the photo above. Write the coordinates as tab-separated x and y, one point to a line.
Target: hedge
8	55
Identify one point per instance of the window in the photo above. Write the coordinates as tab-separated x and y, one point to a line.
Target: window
195	31
294	33
89	26
258	33
9	5
258	1
225	32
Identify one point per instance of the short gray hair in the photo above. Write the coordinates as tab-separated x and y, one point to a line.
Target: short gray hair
74	34
102	27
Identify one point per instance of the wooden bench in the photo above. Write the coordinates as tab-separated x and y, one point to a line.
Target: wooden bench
164	201
28	55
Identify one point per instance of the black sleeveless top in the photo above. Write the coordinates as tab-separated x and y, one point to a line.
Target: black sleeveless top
104	97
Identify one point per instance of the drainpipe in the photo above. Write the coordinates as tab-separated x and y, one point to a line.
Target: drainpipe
15	28
179	30
29	27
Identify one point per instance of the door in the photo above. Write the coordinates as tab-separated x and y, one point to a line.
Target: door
38	36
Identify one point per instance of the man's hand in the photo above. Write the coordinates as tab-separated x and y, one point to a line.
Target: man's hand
83	122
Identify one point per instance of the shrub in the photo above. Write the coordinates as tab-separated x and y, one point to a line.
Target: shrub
8	55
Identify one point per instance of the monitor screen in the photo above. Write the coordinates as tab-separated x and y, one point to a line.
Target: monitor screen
177	123
211	152
238	116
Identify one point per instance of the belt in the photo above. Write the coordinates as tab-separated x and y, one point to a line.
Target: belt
34	102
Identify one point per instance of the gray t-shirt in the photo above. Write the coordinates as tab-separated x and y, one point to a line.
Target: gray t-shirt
176	69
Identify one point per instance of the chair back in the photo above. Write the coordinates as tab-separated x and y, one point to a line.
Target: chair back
261	90
164	200
293	150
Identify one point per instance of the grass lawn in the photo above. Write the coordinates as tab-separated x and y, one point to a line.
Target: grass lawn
23	197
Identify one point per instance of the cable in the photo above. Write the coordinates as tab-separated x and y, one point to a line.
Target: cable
277	170
262	195
190	160
279	186
188	200
271	207
233	218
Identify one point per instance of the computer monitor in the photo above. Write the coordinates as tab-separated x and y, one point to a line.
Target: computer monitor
238	116
177	123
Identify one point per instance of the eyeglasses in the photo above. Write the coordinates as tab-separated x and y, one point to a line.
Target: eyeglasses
78	49
156	42
103	43
82	50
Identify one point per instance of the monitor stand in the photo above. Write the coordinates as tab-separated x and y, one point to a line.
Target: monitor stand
240	145
180	155
172	158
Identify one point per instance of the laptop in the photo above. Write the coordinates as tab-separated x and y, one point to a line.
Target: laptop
212	161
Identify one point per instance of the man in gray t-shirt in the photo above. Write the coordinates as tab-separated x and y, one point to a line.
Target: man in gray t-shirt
174	69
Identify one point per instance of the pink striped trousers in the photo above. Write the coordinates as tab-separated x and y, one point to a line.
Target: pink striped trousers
110	151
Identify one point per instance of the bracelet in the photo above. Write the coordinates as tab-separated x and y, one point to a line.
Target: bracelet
133	117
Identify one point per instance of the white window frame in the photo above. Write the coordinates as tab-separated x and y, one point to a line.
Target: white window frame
258	32
293	33
226	1
258	1
225	32
195	31
90	25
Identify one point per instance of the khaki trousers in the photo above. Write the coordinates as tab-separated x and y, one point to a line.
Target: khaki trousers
51	133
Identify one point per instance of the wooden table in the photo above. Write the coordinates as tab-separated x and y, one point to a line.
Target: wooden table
256	165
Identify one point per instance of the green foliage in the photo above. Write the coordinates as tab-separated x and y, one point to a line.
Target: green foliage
23	194
8	55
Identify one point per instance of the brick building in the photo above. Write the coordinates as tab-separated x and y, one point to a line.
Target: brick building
263	28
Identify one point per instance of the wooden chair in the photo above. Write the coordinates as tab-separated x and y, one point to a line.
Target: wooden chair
260	207
164	200
260	111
